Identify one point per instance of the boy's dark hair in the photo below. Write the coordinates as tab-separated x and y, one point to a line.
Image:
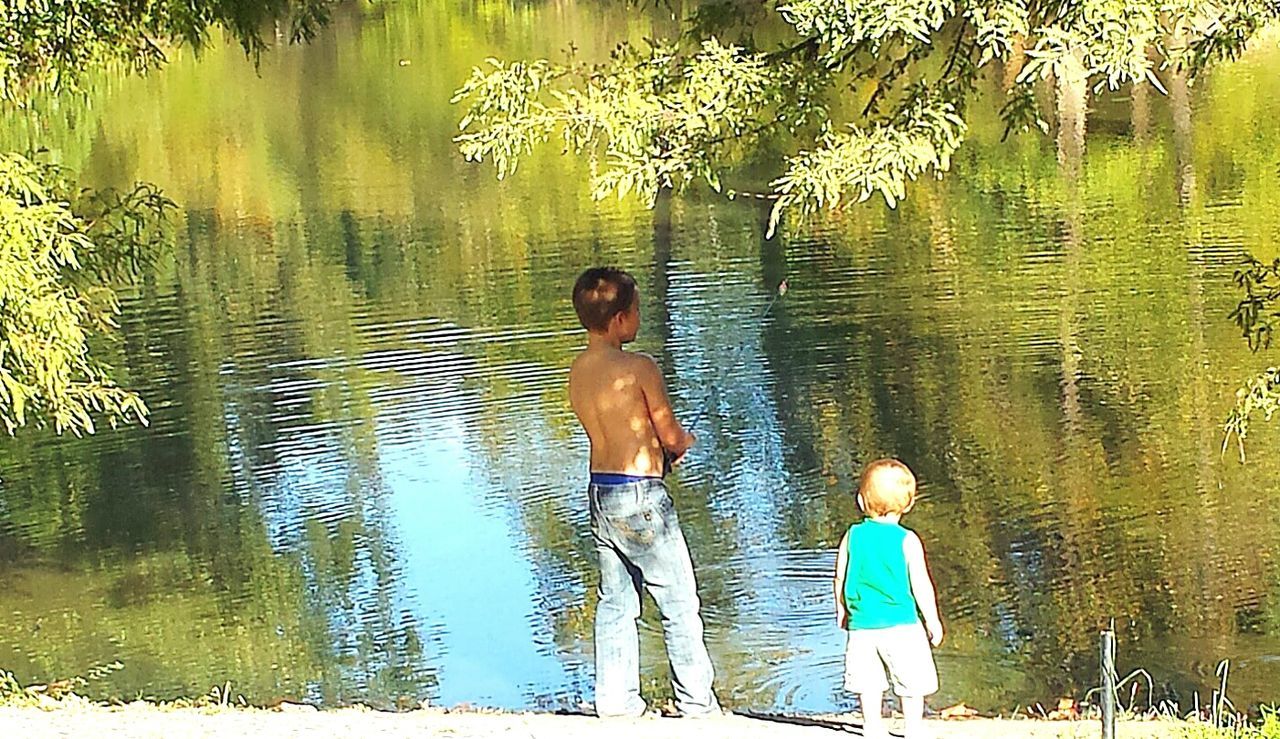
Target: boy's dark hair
600	294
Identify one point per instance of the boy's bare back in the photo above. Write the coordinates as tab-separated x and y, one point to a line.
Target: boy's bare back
620	399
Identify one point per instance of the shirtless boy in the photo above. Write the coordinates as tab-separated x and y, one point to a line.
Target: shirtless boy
621	401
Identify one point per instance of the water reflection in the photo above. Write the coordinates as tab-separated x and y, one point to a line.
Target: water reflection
364	483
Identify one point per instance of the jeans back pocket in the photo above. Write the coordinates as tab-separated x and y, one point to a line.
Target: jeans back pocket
638	514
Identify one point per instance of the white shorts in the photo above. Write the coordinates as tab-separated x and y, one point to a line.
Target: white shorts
903	650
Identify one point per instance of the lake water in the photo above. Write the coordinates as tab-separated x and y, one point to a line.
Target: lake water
363	483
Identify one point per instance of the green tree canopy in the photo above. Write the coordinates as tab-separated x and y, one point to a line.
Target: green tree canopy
52	43
861	98
61	247
53	295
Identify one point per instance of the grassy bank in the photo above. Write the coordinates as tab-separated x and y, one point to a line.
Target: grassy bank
1268	727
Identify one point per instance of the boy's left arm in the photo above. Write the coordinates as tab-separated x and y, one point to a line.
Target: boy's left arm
674	438
922	587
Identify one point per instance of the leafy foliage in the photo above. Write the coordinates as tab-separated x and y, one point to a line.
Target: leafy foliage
696	107
658	118
845	30
997	28
880	159
1260	394
55	258
1256	315
61	250
49	43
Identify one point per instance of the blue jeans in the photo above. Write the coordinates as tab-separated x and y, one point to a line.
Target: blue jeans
639	542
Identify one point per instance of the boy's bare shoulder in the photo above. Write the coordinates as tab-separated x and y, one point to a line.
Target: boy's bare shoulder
627	361
640	359
589	363
576	366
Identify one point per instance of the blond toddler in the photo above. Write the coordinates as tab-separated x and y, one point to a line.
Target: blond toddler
883	589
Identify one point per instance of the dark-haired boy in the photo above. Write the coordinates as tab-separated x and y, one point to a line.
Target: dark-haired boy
621	400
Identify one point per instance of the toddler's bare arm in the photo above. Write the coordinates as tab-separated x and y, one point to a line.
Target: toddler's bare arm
842	566
922	587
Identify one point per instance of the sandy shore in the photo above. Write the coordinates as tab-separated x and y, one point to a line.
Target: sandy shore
144	720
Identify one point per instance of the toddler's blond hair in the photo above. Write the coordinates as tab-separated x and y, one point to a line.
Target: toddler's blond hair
887	486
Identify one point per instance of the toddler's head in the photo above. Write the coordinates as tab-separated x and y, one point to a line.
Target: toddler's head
887	487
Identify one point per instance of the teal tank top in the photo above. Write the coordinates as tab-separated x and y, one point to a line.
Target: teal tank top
877	590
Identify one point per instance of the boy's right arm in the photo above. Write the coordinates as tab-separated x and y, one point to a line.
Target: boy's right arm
842	566
922	587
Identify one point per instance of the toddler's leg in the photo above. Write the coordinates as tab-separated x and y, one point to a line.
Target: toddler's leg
914	675
873	726
913	716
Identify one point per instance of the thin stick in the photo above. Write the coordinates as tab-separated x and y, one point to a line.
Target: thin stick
1220	698
1107	653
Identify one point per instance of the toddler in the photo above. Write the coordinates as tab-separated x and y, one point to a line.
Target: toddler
882	589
